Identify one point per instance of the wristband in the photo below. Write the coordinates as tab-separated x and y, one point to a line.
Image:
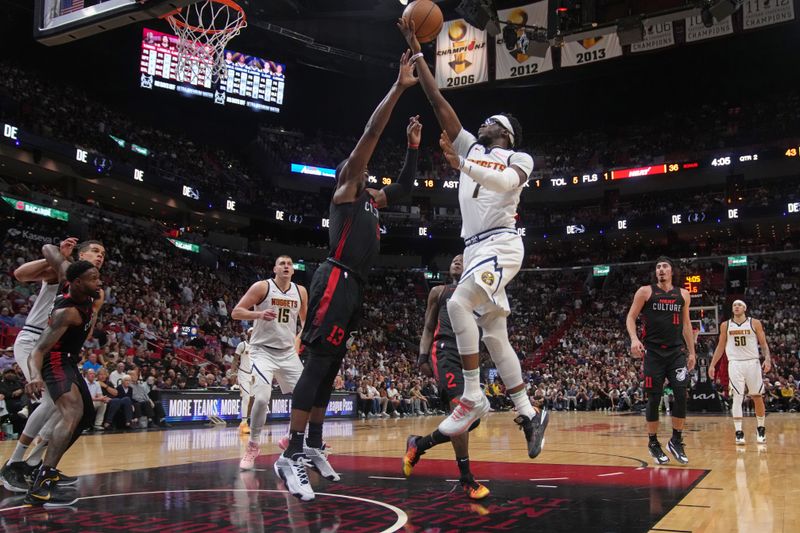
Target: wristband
413	59
422	358
413	146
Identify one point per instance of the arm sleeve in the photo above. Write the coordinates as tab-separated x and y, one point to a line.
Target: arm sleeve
463	141
400	191
494	180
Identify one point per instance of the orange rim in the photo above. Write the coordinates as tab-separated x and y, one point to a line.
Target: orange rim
227	3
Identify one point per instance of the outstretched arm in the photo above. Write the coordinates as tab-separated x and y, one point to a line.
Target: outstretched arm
37	270
352	172
59	258
445	114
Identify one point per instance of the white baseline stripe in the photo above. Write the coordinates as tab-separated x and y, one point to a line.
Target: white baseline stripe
548	478
611	474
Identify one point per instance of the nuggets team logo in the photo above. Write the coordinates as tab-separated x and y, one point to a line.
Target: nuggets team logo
680	374
487	278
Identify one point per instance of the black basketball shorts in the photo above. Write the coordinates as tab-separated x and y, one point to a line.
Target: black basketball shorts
60	372
446	365
669	365
334	310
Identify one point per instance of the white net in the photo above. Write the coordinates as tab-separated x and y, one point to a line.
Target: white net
203	31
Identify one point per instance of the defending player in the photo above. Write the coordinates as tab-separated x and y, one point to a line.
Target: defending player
18	472
666	329
491	180
54	364
739	339
438	356
275	305
244	377
337	287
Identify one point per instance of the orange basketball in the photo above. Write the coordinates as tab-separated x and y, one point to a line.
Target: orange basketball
427	19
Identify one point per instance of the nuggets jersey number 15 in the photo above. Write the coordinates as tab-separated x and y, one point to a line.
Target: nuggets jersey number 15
279	333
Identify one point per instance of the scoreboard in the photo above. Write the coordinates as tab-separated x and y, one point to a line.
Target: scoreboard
250	81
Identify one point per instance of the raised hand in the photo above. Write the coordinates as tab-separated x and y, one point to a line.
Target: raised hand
449	151
406	77
407	28
414	131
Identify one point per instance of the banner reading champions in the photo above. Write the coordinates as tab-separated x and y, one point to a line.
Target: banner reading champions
514	63
697	31
591	50
656	36
460	55
759	13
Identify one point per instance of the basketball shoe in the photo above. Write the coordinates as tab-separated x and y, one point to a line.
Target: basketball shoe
248	461
293	473
411	458
657	453
534	430
464	415
318	459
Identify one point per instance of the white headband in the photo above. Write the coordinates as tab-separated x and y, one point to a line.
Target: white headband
503	120
740	302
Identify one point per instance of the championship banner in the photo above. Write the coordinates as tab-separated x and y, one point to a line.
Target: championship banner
590	50
697	31
460	55
759	13
514	63
656	36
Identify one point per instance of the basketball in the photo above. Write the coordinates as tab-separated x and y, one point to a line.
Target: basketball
427	18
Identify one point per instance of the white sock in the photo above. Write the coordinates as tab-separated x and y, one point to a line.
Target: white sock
37	453
760	421
523	403
472	384
19	453
737	423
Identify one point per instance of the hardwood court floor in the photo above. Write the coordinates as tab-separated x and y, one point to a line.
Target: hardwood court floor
594	475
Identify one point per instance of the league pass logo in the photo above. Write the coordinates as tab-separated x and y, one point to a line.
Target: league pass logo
487	278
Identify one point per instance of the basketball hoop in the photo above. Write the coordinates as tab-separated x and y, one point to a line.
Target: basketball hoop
204	30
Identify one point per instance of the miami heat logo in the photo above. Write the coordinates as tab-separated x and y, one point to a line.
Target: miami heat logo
680	374
487	278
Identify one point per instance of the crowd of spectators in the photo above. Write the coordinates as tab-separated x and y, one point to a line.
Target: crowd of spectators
64	112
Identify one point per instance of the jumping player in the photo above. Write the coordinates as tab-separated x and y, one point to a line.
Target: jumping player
438	355
491	180
739	339
17	473
53	365
337	286
275	305
244	377
666	330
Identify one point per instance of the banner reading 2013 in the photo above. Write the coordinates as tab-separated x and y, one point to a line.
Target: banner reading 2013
515	63
590	50
460	55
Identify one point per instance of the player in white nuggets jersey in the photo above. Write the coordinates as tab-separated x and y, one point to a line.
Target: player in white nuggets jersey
492	176
739	339
45	416
244	378
275	305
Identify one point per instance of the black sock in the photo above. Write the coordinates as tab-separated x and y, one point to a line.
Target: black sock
314	439
463	467
676	435
429	441
653	438
296	439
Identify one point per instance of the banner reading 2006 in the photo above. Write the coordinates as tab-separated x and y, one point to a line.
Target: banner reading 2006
460	55
514	63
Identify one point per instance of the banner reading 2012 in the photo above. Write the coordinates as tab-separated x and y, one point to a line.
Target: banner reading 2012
515	63
590	50
460	55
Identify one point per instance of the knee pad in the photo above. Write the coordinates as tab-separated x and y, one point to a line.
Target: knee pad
465	299
679	411
653	403
495	336
736	407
